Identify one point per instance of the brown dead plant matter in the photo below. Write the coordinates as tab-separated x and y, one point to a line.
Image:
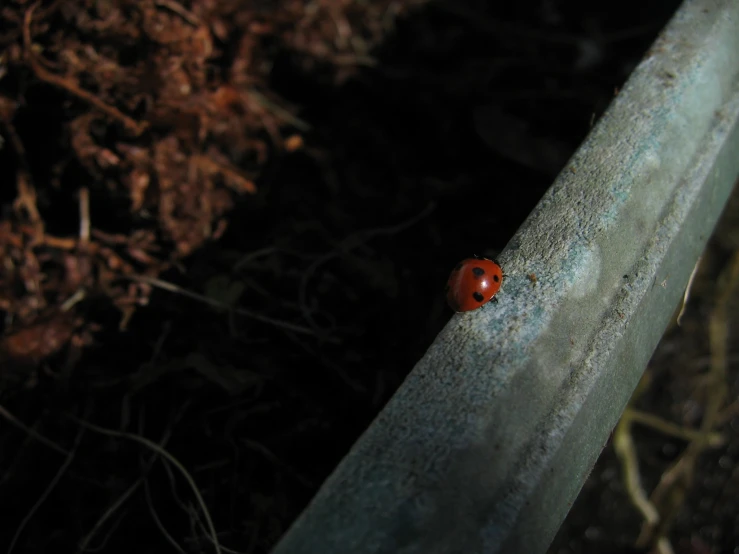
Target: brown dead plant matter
166	107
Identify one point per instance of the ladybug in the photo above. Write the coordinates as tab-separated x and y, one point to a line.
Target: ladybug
473	283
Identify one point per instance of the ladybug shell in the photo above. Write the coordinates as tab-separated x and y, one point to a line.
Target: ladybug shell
473	283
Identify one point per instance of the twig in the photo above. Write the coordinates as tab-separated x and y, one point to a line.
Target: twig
45	75
185	507
84	215
623	444
347	245
668	428
26	199
113	508
202	528
670	493
233	178
188	16
31	432
103	543
701	363
247	258
686	296
157	521
76	298
171	287
171	459
279	111
340	371
272	457
47	491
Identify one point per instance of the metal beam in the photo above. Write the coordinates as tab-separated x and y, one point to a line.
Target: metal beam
487	443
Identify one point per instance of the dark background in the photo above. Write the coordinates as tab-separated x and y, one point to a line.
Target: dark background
419	140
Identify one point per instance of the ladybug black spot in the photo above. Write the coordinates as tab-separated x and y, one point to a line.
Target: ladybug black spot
478	297
496	278
478	271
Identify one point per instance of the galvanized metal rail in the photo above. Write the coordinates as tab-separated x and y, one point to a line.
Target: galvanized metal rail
486	444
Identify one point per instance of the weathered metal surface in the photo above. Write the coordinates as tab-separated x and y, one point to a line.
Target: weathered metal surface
488	441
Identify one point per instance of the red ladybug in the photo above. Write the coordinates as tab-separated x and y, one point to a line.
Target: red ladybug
473	283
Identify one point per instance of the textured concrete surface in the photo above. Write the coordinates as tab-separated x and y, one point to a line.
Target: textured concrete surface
488	441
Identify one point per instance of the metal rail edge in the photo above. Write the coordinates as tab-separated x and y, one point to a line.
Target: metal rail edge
486	444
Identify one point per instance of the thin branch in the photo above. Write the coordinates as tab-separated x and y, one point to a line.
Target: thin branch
171	287
47	491
35	434
670	493
84	216
174	7
688	288
668	428
351	242
157	521
45	75
171	459
623	444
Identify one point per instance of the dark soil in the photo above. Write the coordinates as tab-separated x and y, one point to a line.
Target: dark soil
226	228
